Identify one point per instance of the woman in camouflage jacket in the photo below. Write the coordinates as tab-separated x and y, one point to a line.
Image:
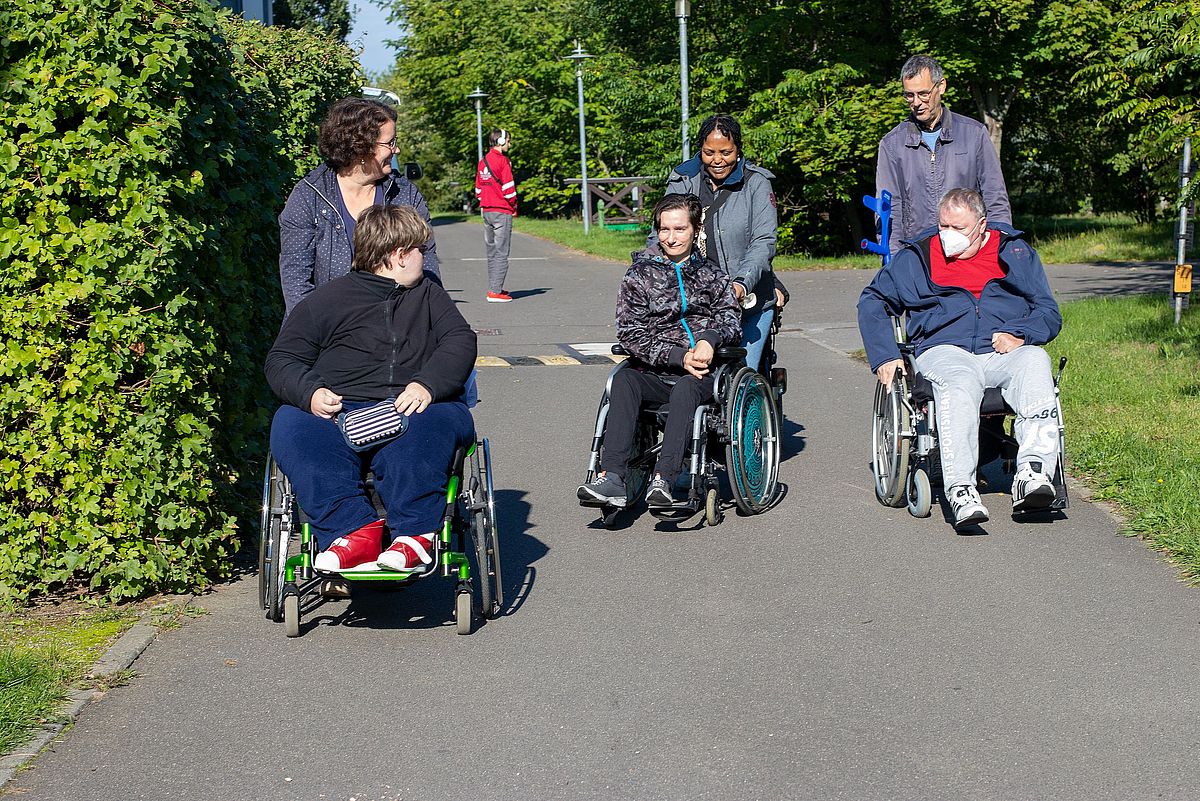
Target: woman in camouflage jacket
674	309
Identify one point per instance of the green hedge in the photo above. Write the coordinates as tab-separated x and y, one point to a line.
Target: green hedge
148	146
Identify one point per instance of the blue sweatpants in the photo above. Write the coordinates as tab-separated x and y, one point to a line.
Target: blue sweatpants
411	472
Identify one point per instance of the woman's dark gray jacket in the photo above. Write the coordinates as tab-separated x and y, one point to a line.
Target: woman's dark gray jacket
745	224
313	247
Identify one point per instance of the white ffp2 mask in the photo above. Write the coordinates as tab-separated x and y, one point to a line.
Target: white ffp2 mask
953	242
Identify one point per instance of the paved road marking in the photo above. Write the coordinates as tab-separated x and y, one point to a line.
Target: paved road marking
556	360
510	258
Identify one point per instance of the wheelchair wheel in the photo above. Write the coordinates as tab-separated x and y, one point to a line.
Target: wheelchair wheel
889	445
463	612
485	533
712	507
278	520
919	494
291	614
752	453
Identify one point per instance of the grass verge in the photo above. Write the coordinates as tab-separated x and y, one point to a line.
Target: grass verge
1079	239
1131	397
1074	239
44	652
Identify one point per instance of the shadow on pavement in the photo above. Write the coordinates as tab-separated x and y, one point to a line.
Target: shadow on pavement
517	294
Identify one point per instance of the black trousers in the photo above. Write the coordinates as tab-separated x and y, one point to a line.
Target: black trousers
633	390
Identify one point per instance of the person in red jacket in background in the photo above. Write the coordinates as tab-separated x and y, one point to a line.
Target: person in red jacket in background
496	192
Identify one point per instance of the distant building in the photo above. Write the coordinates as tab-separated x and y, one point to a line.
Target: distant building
250	9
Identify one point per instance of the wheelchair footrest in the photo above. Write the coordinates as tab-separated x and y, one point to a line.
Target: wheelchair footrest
680	510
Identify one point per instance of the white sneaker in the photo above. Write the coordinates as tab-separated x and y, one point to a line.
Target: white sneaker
967	507
1032	489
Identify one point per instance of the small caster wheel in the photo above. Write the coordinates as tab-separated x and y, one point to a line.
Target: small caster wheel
920	495
712	508
291	614
463	612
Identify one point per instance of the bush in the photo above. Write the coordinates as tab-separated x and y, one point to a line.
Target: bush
150	146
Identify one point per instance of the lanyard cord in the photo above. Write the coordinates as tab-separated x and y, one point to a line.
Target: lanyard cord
683	298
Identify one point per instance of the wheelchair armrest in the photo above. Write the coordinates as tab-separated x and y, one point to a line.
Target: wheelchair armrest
726	353
729	353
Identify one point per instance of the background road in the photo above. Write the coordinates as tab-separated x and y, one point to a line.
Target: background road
831	648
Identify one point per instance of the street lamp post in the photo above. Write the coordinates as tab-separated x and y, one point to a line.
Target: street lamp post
579	56
683	8
478	95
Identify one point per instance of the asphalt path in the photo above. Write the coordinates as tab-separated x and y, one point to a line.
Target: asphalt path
829	649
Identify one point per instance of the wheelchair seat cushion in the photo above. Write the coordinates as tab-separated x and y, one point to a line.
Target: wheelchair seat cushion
993	400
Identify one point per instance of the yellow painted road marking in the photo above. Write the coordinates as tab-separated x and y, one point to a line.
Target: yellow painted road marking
491	361
557	360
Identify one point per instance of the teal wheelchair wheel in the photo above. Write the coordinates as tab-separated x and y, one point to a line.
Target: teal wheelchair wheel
752	453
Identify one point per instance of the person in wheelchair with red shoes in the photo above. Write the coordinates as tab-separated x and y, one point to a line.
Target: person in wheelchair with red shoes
382	333
674	309
978	306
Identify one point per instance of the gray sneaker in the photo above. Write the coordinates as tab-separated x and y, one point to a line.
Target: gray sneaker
967	507
608	488
659	494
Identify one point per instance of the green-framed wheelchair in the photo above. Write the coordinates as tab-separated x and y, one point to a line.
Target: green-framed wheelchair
468	547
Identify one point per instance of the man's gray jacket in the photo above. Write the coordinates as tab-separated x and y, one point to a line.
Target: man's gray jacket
917	178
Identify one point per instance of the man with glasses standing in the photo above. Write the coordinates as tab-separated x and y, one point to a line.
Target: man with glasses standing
497	194
932	151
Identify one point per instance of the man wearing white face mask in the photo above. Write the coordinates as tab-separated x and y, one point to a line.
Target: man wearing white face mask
978	304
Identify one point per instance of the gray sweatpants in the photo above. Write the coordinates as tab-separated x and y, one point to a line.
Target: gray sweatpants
497	237
959	378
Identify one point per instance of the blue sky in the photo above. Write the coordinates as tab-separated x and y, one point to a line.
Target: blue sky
370	29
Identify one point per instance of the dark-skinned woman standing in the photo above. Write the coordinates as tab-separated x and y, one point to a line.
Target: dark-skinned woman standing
739	225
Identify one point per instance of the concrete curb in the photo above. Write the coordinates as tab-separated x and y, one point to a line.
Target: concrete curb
119	656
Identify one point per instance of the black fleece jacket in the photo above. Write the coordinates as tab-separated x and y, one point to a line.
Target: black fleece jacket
366	337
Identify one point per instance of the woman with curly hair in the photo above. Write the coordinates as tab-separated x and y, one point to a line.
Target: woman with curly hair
316	229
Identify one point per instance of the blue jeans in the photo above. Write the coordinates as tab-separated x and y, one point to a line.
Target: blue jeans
411	471
756	328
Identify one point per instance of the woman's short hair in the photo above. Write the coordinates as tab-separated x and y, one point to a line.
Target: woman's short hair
726	125
689	203
962	198
350	131
382	229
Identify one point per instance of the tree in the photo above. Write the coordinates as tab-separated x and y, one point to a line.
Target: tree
1146	79
326	16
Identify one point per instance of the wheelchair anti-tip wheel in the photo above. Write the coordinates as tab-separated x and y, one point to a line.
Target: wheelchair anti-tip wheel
485	535
889	443
752	453
275	534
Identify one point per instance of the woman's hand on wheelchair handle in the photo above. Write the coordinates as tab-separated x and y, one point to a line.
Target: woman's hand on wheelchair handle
414	399
325	403
887	371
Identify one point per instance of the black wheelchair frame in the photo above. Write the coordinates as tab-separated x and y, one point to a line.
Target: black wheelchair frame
742	419
905	460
